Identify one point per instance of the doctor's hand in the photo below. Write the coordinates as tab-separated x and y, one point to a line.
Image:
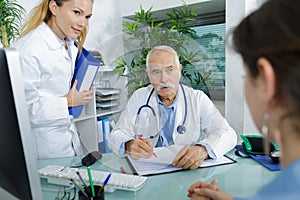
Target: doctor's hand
204	190
139	149
190	157
76	98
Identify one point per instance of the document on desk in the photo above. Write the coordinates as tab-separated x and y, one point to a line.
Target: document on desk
162	163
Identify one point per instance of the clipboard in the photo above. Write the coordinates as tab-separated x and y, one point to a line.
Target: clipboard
148	167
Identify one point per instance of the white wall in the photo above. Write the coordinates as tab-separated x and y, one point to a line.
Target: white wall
234	98
28	5
237	112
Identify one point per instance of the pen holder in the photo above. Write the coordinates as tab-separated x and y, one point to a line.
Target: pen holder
88	191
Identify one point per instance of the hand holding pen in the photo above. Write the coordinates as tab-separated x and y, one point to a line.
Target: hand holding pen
139	147
139	137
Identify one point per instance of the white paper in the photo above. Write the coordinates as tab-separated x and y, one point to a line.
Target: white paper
165	156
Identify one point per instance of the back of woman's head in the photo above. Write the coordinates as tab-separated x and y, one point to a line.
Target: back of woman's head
273	32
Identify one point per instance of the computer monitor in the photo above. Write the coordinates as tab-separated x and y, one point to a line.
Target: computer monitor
18	165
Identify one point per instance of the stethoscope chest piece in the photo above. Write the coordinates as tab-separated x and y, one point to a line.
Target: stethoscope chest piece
181	129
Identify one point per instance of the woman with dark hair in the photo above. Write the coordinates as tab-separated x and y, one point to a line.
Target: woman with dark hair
269	42
47	55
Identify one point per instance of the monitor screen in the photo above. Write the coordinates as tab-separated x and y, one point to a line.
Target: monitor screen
18	166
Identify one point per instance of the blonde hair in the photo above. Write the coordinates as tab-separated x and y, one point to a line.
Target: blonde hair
40	14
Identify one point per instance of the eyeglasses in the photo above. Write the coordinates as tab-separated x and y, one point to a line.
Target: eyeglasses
157	73
65	194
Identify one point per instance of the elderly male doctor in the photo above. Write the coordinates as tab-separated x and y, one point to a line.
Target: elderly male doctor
190	117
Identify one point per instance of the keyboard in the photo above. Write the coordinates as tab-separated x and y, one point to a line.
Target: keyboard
61	175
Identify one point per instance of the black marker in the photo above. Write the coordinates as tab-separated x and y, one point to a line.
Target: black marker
75	184
83	182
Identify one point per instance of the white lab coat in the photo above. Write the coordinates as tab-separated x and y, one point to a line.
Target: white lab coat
47	70
204	123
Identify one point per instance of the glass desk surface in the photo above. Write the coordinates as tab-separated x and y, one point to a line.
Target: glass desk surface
241	179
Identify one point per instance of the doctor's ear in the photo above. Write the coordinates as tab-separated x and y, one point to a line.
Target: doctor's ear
53	7
267	74
180	67
180	70
147	72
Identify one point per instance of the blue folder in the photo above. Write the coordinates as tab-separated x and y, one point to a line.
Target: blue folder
103	146
86	68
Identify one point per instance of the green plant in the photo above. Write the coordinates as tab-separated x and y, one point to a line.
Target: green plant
143	33
11	15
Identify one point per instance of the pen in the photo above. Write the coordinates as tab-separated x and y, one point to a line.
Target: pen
145	141
83	182
79	188
91	181
105	182
123	170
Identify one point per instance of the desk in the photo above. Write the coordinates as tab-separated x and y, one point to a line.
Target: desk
241	179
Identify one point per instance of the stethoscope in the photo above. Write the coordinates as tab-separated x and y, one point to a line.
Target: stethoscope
181	129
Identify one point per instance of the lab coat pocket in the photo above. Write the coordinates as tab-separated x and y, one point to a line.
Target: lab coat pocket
44	113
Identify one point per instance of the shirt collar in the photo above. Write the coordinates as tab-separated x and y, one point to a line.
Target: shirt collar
172	106
53	41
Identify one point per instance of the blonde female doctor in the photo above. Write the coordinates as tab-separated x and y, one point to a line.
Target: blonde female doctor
47	56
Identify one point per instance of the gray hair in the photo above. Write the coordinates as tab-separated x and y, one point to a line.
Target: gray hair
158	49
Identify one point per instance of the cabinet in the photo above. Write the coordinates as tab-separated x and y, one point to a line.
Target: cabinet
87	123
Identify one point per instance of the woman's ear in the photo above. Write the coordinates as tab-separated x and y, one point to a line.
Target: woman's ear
268	78
52	7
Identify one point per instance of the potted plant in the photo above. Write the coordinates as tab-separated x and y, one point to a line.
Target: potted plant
11	15
144	33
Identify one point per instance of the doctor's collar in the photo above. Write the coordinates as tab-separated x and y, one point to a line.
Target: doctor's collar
163	104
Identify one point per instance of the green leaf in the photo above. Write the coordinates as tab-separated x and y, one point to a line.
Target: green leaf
11	16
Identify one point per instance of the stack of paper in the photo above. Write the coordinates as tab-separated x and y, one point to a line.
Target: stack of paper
107	98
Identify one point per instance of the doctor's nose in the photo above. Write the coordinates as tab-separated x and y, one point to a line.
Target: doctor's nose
164	77
83	22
